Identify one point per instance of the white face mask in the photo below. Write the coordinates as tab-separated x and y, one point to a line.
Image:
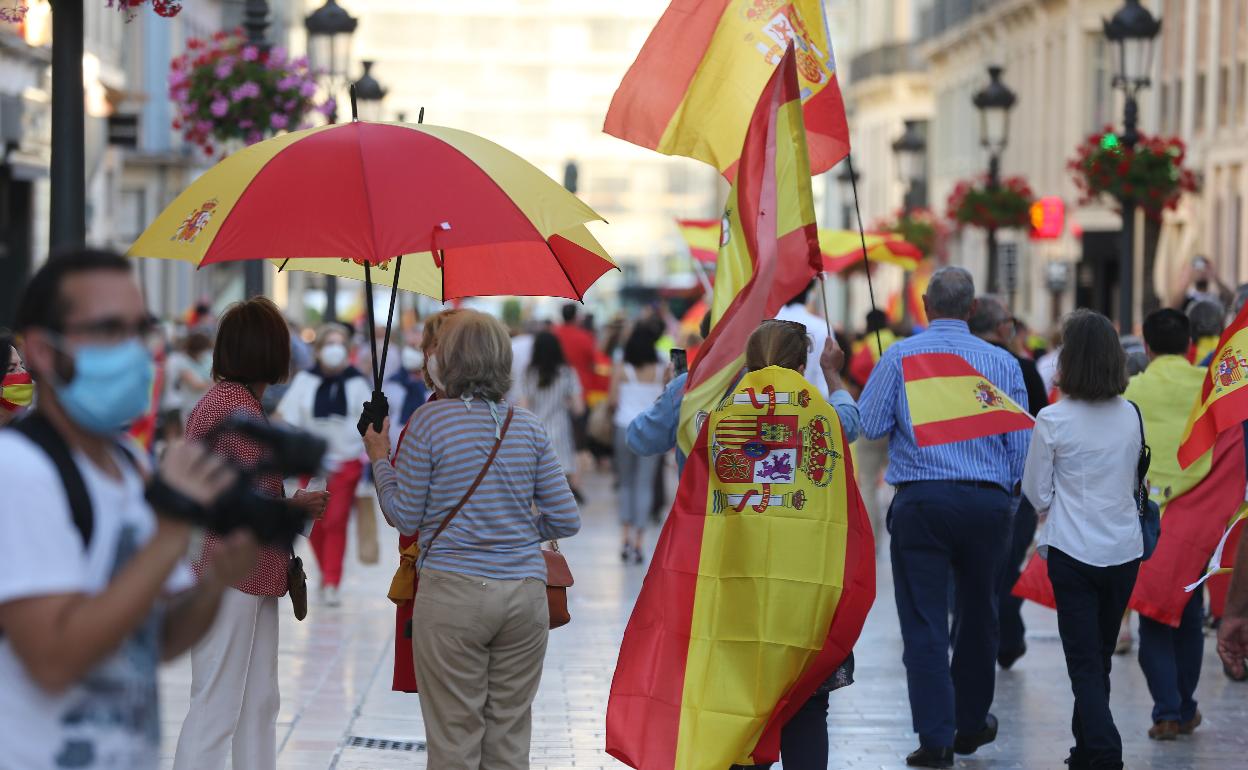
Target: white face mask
412	359
432	368
334	355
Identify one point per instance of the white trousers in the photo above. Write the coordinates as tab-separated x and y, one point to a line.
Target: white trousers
234	697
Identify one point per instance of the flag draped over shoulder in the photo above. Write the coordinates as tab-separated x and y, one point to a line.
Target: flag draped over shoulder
699	73
770	245
758	589
1191	526
1224	396
951	401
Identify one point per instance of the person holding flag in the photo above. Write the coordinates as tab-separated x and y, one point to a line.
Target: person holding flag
955	410
767	494
1082	473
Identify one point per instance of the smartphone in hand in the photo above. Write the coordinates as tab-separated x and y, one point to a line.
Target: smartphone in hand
680	361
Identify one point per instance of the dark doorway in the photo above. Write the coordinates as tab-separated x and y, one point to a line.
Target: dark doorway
15	241
1097	286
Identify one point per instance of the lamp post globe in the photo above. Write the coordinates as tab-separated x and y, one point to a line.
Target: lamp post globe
369	93
994	102
329	36
911	151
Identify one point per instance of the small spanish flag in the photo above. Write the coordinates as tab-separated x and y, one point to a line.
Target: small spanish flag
1223	398
704	237
951	401
697	78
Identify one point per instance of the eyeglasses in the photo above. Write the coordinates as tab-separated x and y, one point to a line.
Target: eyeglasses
112	331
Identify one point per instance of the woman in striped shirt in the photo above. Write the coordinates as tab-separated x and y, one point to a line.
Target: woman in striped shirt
480	621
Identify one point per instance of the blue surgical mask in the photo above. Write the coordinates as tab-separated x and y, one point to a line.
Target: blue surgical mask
112	386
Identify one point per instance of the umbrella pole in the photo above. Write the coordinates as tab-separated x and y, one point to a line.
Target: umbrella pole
375	410
394	295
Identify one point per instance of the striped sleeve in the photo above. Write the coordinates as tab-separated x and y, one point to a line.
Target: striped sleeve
557	513
415	468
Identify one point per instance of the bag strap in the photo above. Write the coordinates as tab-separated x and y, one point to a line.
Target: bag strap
41	433
498	442
1146	452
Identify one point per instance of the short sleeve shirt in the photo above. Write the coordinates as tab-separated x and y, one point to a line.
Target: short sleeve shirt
111	718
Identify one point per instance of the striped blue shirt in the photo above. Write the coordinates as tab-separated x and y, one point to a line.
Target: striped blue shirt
497	533
884	412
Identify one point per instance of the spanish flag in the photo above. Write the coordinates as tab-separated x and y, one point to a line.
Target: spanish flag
758	590
703	237
770	248
842	250
1224	397
699	73
951	401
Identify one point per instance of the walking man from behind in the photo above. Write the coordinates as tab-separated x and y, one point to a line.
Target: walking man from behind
991	322
1165	392
950	516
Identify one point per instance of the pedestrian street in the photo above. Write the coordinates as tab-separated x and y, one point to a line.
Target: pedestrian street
335	671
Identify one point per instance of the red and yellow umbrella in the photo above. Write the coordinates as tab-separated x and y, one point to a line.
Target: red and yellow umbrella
479	220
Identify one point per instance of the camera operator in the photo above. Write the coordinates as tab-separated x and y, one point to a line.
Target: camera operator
93	587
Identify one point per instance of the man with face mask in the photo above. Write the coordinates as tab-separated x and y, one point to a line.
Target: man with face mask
94	588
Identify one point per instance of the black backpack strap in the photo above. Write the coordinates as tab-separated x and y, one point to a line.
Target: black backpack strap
37	428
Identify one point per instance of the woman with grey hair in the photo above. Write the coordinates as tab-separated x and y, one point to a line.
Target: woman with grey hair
471	473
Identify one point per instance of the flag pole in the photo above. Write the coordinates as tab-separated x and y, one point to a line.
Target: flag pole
862	234
823	293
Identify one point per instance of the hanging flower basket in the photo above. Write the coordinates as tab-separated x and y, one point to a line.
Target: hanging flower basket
974	203
227	90
15	11
1152	173
918	227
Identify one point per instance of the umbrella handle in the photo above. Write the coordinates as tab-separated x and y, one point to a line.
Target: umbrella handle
374	413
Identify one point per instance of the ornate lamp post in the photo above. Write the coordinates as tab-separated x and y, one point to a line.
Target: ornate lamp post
994	102
329	45
911	151
1132	31
369	94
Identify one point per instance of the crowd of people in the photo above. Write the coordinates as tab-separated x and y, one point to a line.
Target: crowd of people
479	468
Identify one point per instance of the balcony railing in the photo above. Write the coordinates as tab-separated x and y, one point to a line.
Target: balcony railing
943	15
884	60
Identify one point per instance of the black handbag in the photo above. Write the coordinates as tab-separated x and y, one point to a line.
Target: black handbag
1150	512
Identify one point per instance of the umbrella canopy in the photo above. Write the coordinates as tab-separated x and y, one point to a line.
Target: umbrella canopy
369	192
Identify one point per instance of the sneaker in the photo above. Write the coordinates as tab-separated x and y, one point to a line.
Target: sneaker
1166	730
1189	727
929	757
331	596
626	553
638	556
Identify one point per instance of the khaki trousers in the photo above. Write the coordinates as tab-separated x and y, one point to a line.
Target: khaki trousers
871	459
478	646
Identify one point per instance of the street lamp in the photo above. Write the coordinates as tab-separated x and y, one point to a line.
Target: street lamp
368	94
994	103
329	42
846	181
911	151
1132	31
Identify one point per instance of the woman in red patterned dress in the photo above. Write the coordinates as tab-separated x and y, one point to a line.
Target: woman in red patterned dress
234	696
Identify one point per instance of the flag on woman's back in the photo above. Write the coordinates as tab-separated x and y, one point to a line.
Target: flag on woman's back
697	78
758	589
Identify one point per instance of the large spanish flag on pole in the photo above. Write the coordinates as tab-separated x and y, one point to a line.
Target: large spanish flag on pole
951	401
770	246
698	76
1224	397
758	590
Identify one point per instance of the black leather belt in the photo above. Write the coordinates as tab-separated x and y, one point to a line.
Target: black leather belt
960	482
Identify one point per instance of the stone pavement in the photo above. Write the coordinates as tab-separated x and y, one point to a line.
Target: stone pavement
336	698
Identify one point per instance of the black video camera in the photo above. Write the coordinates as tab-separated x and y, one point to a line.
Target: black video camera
274	521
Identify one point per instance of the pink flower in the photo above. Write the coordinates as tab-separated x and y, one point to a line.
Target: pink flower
219	107
250	53
289	82
308	89
246	123
254	136
223	69
248	90
277	56
328	107
278	121
203	127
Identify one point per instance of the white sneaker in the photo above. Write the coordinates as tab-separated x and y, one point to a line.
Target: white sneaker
331	596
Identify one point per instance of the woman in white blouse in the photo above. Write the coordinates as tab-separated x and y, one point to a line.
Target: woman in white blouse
1081	476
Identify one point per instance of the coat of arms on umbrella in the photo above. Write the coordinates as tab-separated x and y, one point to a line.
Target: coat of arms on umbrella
195	222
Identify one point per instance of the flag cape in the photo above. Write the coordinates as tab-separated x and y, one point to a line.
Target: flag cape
758	589
951	401
699	73
770	248
1224	397
1191	526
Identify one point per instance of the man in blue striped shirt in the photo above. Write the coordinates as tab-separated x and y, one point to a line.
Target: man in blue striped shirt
951	516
